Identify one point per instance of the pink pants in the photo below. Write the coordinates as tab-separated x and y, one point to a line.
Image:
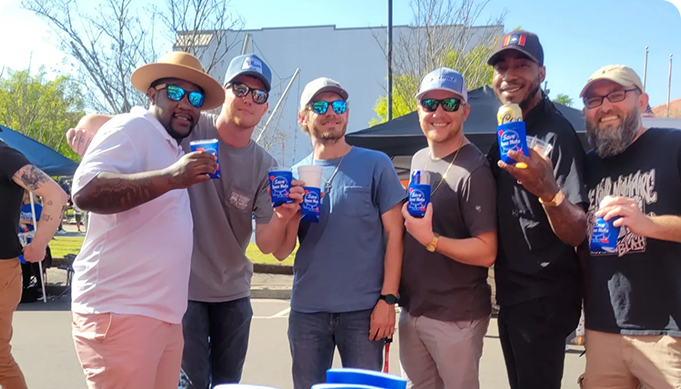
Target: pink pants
128	351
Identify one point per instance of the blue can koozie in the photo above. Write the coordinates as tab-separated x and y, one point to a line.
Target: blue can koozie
511	136
209	146
311	203
280	185
604	236
419	197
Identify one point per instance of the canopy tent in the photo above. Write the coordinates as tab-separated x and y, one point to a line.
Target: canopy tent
401	138
46	159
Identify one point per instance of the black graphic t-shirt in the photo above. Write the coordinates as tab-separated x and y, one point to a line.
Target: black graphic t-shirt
637	289
11	194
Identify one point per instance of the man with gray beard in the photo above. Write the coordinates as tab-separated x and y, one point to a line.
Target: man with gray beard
633	179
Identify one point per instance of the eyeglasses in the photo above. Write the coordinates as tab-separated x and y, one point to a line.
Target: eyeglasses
613	97
241	90
449	105
338	106
175	93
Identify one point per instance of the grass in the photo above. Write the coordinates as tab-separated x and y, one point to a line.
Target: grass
71	245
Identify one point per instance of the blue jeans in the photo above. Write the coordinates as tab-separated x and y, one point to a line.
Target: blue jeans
215	343
313	338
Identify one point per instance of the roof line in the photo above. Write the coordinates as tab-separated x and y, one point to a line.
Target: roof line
330	26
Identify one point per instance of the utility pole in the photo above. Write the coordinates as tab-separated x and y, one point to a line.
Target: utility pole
390	60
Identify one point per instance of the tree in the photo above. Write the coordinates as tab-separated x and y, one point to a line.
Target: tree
107	45
442	33
563	99
40	109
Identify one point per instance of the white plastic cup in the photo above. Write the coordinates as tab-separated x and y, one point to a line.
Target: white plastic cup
538	145
311	175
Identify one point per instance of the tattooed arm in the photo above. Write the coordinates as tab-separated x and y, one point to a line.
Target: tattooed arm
35	180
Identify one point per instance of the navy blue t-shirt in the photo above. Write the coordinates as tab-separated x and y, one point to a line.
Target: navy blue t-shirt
637	289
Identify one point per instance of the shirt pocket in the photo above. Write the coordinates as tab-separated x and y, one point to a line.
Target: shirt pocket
240	198
356	201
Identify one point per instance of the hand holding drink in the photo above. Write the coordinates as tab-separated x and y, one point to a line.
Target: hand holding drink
280	186
419	193
311	175
511	133
210	146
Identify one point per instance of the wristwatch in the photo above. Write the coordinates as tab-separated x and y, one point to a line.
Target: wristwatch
389	298
555	201
432	246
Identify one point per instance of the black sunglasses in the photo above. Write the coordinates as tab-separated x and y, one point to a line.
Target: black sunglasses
449	105
241	90
613	97
338	106
176	93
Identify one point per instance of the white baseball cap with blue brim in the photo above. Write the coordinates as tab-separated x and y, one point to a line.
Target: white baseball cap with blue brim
444	79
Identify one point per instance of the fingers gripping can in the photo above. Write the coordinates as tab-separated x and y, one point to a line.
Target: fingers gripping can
511	133
419	193
209	146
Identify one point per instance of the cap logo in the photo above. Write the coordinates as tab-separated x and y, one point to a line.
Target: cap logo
253	64
515	40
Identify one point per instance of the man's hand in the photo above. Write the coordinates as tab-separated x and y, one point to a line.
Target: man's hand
33	253
537	178
382	321
287	211
628	214
420	228
79	139
192	168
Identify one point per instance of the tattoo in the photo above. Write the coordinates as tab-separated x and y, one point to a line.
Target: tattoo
33	177
112	194
46	218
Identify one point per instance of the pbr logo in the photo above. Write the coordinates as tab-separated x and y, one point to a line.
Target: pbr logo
253	64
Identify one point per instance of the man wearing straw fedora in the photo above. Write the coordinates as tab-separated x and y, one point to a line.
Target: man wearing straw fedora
218	318
129	293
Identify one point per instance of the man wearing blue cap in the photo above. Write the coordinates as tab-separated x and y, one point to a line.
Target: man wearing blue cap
217	322
443	292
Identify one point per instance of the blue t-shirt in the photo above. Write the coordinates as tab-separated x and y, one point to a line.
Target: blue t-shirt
339	263
27	214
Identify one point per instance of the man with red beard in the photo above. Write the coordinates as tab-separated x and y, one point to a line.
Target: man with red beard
541	219
633	179
444	293
217	322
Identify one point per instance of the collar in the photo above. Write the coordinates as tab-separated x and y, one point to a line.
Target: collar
141	112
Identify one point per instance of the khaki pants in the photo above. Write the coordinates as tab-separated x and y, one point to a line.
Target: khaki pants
128	351
441	355
11	376
616	361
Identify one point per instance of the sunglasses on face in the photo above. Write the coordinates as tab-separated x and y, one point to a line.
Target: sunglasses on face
613	97
176	93
449	105
241	90
338	106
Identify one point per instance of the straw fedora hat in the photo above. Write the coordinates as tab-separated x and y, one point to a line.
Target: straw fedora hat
183	66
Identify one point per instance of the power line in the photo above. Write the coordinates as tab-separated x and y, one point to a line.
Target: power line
265	58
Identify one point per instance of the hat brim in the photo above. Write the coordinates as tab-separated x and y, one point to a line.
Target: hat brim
421	94
620	81
340	91
254	74
493	59
214	94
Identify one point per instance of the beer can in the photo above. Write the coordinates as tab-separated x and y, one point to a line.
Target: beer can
508	113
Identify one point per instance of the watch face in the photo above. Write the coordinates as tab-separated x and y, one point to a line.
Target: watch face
390	299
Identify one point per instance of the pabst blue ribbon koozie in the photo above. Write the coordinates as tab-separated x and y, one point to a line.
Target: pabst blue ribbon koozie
419	193
280	185
604	236
209	146
312	200
511	132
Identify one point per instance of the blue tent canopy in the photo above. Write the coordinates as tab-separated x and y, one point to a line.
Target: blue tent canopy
48	160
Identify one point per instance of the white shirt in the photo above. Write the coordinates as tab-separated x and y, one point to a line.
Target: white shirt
135	262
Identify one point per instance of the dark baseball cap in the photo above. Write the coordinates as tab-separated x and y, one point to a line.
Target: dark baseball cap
521	41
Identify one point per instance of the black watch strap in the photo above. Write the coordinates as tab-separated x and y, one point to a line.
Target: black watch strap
389	298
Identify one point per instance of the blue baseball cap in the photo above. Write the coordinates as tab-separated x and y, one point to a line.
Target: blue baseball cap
249	65
443	79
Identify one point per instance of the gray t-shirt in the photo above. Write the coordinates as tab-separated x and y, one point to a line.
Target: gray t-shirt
223	210
464	206
339	264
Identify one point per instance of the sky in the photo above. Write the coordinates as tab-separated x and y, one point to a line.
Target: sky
578	36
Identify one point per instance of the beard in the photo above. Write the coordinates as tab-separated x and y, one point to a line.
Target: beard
434	138
610	142
534	89
176	135
329	136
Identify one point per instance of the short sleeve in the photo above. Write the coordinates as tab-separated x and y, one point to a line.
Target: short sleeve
389	190
111	150
568	161
12	161
262	206
479	202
